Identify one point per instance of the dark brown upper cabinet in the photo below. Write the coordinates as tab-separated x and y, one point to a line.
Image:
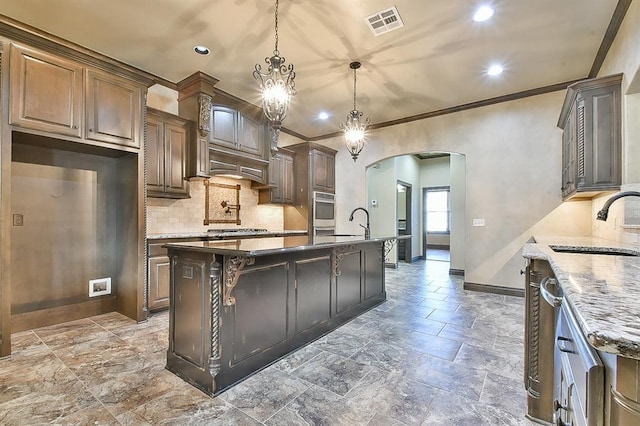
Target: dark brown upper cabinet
281	187
166	150
54	94
322	167
591	138
231	135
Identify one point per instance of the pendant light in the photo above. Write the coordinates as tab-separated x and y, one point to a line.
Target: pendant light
276	87
354	128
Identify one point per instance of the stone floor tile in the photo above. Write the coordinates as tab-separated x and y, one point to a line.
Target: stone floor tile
318	406
453	409
393	396
257	396
333	372
462	379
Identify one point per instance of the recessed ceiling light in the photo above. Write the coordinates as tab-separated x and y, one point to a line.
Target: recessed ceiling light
201	50
323	116
495	70
483	13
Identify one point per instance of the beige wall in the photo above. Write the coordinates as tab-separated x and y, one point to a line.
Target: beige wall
511	172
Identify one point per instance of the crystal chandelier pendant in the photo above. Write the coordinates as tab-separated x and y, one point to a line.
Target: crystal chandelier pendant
277	88
355	128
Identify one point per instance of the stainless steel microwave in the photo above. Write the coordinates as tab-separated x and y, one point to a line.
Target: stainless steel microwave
324	210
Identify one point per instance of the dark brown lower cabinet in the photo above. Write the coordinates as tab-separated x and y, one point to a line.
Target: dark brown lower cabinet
158	277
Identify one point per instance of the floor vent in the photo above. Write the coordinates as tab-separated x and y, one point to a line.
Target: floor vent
384	21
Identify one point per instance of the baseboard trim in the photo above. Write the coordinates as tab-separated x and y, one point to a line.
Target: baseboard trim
438	246
391	265
459	272
416	258
485	288
59	314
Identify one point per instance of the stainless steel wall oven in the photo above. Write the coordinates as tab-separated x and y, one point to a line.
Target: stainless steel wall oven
324	210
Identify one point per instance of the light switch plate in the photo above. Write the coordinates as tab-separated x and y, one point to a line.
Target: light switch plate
478	222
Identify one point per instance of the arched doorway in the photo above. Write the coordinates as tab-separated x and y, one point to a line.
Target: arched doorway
418	171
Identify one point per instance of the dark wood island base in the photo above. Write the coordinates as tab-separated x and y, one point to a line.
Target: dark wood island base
239	305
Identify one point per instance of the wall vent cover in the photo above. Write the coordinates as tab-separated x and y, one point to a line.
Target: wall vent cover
384	21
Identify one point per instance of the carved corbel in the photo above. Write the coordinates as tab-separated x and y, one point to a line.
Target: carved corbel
204	115
338	253
232	268
386	248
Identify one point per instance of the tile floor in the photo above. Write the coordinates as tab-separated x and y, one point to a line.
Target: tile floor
433	354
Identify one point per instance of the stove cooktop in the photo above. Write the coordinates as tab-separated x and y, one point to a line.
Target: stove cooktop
237	230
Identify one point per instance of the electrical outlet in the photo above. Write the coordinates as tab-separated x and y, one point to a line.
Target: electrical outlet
18	220
478	222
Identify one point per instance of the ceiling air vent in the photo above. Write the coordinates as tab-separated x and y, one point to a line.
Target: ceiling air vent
384	21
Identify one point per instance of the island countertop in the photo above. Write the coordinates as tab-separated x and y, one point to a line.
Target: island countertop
217	234
603	291
253	247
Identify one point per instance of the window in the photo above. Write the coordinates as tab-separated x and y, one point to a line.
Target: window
437	208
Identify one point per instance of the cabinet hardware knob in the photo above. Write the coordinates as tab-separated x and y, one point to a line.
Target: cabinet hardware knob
75	126
521	271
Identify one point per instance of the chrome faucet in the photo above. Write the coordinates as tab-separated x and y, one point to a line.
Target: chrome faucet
604	213
367	229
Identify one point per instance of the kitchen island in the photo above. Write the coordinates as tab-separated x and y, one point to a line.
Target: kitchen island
239	305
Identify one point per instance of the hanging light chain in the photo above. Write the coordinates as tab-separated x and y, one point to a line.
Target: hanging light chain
276	52
354	89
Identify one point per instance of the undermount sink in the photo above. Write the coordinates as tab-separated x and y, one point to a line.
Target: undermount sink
594	250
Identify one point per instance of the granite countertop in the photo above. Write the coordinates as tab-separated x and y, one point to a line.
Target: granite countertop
602	290
230	233
252	247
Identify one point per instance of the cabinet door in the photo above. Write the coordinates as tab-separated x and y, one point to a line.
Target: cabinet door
223	127
287	183
45	92
322	171
159	282
602	142
175	146
113	109
251	137
155	155
275	178
331	173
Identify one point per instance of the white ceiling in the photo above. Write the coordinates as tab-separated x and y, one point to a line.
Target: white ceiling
437	60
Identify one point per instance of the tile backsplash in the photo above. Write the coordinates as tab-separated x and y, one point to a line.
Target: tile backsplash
186	215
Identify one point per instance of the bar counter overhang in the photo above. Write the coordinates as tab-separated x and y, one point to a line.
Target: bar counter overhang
239	305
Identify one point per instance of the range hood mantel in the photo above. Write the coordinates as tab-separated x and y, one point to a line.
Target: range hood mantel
229	136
